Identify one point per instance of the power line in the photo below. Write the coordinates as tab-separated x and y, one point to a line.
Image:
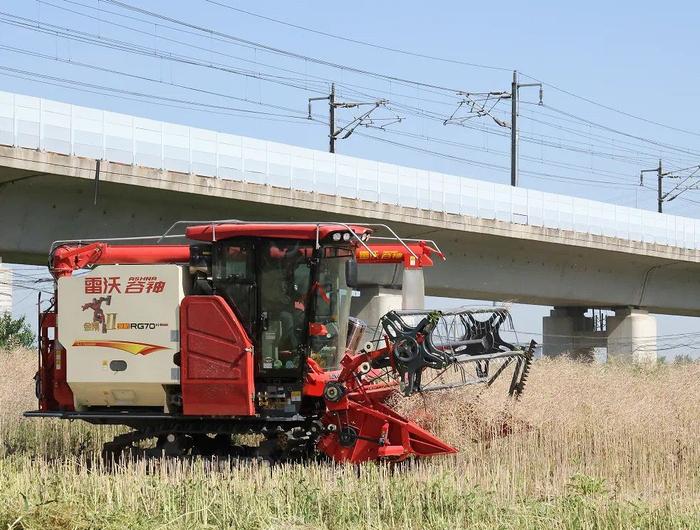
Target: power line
276	50
686	199
565	165
218	108
374	45
677	190
663	337
115	44
406	108
361	42
30	287
535	174
622	133
592	137
434	116
32	276
160	81
533	138
442	155
218	52
97	40
287	81
356	41
124	94
612	109
556	143
159	36
441	59
433	153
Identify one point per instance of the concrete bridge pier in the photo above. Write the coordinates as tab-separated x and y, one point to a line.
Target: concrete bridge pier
629	335
632	335
5	289
375	301
567	330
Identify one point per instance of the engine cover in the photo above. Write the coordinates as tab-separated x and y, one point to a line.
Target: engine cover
119	325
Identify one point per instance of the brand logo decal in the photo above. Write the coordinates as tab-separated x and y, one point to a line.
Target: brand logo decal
134	285
99	318
104	322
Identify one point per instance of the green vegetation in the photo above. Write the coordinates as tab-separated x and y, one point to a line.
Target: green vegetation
15	332
589	446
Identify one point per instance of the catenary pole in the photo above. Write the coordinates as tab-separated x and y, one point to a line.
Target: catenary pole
660	191
514	131
331	118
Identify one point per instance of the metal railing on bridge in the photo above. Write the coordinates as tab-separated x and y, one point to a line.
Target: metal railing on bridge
48	125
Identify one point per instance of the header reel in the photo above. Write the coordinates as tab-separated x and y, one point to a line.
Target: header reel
439	345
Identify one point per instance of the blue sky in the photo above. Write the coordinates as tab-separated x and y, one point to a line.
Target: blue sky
635	57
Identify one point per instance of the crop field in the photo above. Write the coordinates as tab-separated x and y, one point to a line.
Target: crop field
588	446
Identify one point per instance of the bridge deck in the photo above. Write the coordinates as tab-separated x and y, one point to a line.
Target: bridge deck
51	126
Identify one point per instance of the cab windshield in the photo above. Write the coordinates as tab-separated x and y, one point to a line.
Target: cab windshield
293	299
328	328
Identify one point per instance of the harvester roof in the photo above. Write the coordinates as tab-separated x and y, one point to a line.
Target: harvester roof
304	231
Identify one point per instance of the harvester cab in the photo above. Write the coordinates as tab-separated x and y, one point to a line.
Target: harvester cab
290	287
248	329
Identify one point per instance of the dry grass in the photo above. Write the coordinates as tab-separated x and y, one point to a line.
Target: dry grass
636	429
588	446
17	371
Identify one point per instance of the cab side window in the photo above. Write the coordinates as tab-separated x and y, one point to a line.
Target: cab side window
285	278
234	278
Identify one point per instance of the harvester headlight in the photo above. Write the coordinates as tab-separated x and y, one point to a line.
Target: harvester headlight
346	236
337	236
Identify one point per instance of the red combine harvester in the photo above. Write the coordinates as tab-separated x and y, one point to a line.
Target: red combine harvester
247	329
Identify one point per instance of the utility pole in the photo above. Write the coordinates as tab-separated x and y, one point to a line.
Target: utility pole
514	92
676	190
331	118
346	130
514	130
659	170
660	188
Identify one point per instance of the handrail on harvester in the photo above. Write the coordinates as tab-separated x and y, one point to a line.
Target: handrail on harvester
404	242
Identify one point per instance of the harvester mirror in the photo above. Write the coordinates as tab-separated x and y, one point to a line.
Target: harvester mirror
351	273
